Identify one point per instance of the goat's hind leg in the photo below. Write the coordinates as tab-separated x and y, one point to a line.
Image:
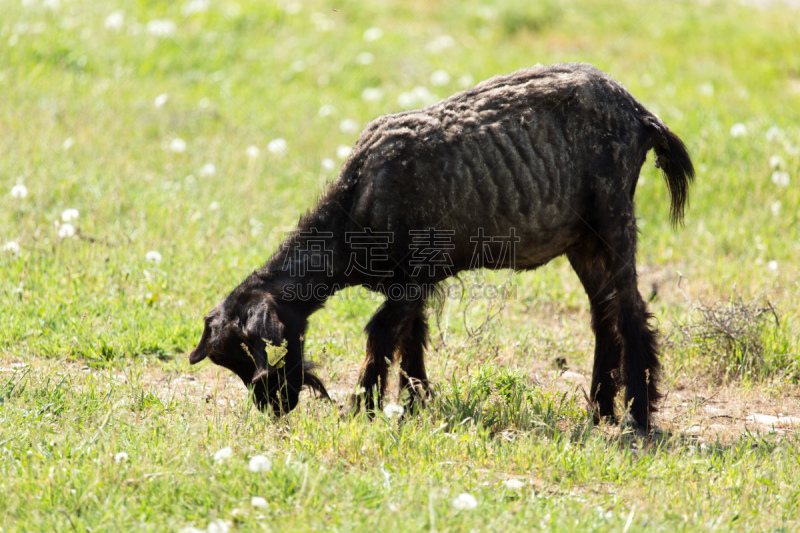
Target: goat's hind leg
590	264
641	369
383	334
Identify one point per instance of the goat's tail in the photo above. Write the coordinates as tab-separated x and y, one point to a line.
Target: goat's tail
674	161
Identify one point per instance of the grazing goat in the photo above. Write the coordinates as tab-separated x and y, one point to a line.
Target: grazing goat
512	173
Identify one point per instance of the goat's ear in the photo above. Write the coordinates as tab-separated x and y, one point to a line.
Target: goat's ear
202	349
263	326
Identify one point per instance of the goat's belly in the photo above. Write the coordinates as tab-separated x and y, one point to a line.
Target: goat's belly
527	259
534	251
500	247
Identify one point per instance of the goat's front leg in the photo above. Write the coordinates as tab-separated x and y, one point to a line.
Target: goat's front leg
383	334
413	378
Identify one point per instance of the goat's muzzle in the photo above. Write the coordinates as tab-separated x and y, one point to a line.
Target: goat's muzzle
272	388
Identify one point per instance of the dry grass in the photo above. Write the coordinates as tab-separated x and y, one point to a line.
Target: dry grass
731	337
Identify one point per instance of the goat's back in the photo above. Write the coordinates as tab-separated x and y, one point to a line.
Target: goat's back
536	150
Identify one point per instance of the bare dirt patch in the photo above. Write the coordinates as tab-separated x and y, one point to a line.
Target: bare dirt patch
694	408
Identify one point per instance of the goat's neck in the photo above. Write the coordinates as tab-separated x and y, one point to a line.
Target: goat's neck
303	290
309	267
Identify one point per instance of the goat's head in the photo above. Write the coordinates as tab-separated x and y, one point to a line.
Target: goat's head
248	334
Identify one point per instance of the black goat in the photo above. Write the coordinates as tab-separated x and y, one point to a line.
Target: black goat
512	173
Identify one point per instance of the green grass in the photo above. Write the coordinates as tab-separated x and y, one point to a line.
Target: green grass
80	129
349	474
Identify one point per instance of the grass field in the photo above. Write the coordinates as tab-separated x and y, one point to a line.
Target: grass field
155	153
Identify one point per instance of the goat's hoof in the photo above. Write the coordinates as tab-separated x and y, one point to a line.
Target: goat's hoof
347	411
414	403
602	414
359	402
610	420
630	425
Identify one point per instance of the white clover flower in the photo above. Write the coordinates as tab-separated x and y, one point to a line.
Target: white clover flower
19	191
439	78
177	145
772	266
328	164
161	99
348	125
440	43
194	6
406	100
417	97
209	169
373	34
258	502
223	454
214	206
393	410
780	178
12	247
292	8
66	230
775	207
422	94
465	502
218	526
773	133
152	257
51	4
513	484
343	151
706	89
372	94
203	103
120	457
277	146
68	215
161	27
256	227
466	80
252	151
114	21
322	22
326	110
603	513
68	143
259	463
738	130
365	58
